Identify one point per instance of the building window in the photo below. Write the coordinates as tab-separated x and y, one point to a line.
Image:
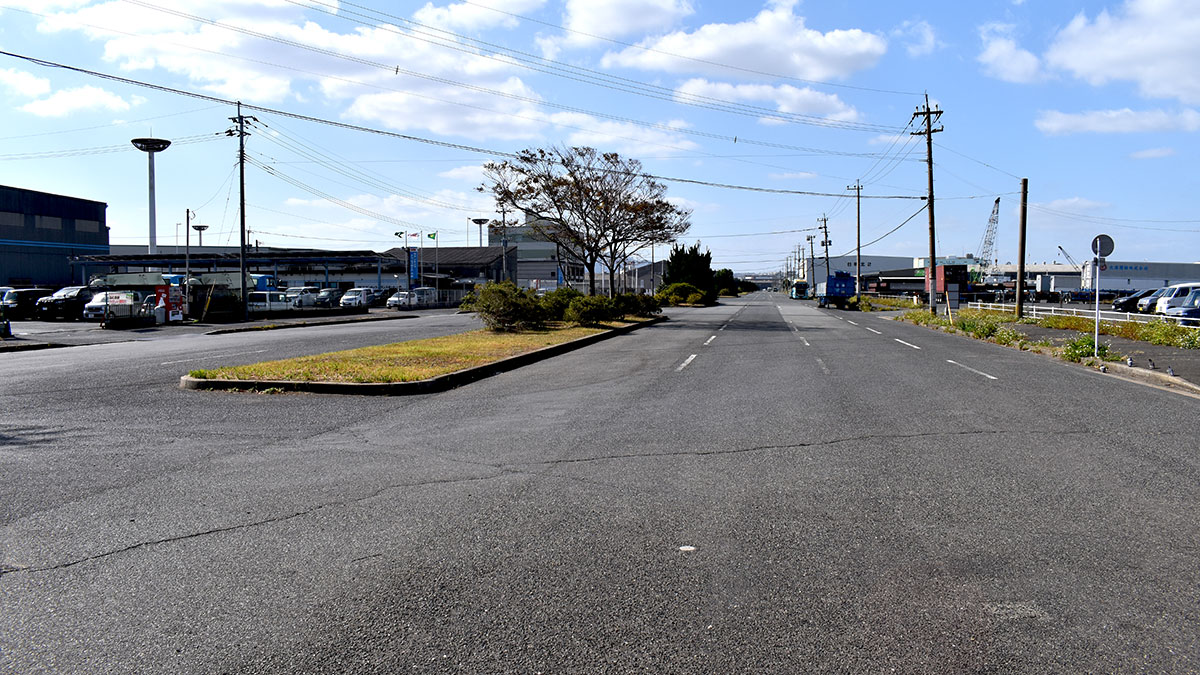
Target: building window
87	225
10	219
47	222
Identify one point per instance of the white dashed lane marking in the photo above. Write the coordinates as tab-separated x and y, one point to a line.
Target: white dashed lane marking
685	363
977	372
823	368
907	344
706	342
873	331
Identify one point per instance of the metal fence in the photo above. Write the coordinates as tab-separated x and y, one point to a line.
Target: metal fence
1036	311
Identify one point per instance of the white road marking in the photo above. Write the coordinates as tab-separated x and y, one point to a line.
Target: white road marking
805	341
977	372
709	340
212	356
823	368
722	327
873	331
851	322
685	363
906	343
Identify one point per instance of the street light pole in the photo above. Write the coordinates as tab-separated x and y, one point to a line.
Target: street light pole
151	146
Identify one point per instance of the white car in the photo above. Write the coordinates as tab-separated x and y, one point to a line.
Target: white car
1173	296
358	297
423	296
268	301
303	296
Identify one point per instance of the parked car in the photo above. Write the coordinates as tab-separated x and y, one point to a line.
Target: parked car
380	298
328	297
1187	312
65	303
357	297
1128	303
1173	296
116	303
267	301
417	297
303	296
1146	304
21	303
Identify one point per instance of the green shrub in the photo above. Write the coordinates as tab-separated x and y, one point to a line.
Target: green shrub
647	306
625	304
728	292
555	303
1008	336
859	303
695	299
504	308
1082	346
677	294
590	310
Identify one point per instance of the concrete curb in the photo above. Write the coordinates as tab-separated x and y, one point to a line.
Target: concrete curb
430	386
1153	377
308	324
27	346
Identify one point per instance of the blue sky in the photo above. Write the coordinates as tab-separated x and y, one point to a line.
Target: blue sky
1094	102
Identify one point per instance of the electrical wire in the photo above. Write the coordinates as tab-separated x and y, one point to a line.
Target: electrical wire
886	234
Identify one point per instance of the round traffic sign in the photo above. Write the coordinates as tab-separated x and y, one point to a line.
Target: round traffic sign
1102	245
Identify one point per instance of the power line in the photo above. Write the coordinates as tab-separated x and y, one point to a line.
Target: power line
889	232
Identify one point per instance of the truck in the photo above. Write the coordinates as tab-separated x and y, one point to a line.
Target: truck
835	290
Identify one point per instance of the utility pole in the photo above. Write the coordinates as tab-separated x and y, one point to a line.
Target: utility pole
857	187
1021	250
241	134
812	259
824	221
930	116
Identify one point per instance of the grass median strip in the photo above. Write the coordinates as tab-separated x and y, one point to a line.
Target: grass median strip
404	361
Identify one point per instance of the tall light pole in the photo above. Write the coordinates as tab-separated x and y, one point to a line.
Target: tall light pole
480	222
151	146
187	261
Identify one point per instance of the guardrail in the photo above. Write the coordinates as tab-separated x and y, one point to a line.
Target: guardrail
1036	310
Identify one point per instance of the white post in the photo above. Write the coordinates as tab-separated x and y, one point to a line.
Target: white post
1096	290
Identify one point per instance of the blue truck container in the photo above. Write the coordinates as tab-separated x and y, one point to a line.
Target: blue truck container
836	290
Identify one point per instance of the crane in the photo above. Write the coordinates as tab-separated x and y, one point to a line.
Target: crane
987	249
1071	260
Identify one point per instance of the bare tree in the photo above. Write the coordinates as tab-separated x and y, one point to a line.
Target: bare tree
596	206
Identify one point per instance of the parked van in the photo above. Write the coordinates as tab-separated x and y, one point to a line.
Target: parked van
358	297
268	301
424	296
1173	296
303	296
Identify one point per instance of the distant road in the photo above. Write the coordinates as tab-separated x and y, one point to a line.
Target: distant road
759	486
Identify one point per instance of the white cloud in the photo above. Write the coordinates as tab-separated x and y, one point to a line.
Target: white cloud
1152	153
22	83
590	21
1117	121
69	101
1152	43
472	173
1003	59
918	36
796	175
1075	205
786	98
776	40
464	16
888	139
628	139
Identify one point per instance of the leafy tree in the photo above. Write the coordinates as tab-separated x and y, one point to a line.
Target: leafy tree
724	282
687	265
595	206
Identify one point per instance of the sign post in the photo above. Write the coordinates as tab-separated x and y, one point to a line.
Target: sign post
1102	246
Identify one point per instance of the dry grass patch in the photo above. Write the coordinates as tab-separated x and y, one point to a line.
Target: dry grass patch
403	361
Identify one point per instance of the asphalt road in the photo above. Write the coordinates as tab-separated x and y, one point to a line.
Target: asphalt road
758	486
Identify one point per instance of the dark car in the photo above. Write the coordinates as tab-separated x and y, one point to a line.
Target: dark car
66	303
1128	303
329	297
21	303
380	299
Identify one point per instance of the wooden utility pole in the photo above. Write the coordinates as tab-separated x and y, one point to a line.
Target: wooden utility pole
1021	249
241	134
930	116
824	221
857	187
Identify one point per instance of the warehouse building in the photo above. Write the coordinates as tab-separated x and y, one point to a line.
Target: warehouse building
40	233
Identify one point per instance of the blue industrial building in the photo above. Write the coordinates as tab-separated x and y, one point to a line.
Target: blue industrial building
41	233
